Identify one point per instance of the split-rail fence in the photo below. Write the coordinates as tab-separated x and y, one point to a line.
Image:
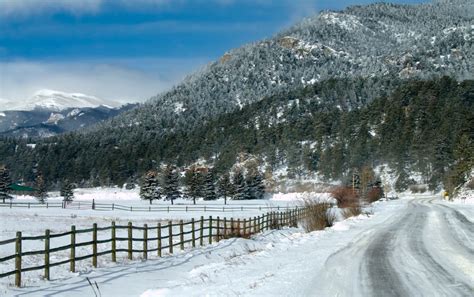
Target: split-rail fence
198	232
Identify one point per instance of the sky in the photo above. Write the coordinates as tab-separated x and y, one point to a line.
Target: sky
130	50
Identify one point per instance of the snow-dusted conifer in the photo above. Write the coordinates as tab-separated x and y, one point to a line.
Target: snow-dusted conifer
239	185
41	192
149	189
171	183
210	189
67	191
225	187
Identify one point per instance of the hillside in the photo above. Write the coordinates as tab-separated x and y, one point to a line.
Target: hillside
315	97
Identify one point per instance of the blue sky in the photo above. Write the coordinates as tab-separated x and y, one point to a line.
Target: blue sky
130	50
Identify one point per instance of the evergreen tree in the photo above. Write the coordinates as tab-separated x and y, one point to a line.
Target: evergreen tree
210	189
41	192
67	191
171	183
239	185
225	187
192	182
5	183
254	188
149	188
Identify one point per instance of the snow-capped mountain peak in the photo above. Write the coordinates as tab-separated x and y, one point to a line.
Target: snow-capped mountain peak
57	101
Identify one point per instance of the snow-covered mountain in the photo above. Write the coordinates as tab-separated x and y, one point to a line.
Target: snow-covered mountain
42	122
57	101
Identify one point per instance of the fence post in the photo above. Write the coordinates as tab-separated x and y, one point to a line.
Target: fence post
113	206
181	235
46	254
18	259
93	203
225	227
114	242
210	229
238	226
130	244
72	256
245	227
159	239
145	241
254	224
94	245
218	229
201	231
193	235
232	226
170	236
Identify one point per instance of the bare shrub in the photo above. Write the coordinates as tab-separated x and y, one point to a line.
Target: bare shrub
352	211
319	216
345	197
374	194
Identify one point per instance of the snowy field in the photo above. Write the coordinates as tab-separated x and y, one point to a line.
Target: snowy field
35	220
431	245
285	262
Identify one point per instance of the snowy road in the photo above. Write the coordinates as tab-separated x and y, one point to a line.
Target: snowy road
409	247
425	250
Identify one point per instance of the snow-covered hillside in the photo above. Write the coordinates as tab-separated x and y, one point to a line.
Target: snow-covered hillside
56	101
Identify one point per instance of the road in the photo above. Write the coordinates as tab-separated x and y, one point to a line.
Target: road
418	246
426	249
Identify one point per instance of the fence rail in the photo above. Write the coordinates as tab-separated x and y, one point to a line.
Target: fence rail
201	230
86	205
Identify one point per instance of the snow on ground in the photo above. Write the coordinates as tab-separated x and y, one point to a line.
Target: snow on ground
421	237
262	266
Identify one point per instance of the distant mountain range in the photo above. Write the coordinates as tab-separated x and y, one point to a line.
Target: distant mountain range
56	101
48	113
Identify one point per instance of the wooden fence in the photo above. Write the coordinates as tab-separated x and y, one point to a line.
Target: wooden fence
84	205
199	232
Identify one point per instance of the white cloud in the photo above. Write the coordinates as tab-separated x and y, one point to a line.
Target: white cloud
28	7
113	80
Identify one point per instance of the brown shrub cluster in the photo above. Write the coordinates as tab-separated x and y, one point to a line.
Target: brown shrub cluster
319	216
352	211
374	194
345	197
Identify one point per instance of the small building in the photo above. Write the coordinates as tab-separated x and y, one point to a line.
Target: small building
17	189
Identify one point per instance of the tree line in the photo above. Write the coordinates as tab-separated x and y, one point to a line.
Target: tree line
201	182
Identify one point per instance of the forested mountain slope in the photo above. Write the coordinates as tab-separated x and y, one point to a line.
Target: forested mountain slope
376	41
338	90
423	126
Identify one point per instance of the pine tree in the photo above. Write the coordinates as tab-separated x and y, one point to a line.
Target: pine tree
5	183
192	182
225	187
149	189
259	187
254	188
171	183
67	191
41	192
239	185
210	189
